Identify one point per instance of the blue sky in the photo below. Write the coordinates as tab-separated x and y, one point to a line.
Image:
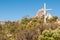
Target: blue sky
16	9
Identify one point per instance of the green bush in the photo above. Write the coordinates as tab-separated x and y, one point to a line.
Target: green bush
50	35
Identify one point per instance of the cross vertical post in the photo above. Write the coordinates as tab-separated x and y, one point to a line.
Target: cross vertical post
45	12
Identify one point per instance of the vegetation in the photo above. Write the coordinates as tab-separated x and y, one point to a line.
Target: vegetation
50	35
30	29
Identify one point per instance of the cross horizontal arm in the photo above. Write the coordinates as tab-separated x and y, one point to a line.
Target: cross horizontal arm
48	9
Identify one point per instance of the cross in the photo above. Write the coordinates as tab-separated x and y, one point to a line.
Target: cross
45	10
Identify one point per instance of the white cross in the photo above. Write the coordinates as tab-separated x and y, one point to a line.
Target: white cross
45	12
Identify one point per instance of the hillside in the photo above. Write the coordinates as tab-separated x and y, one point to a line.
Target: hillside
28	29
